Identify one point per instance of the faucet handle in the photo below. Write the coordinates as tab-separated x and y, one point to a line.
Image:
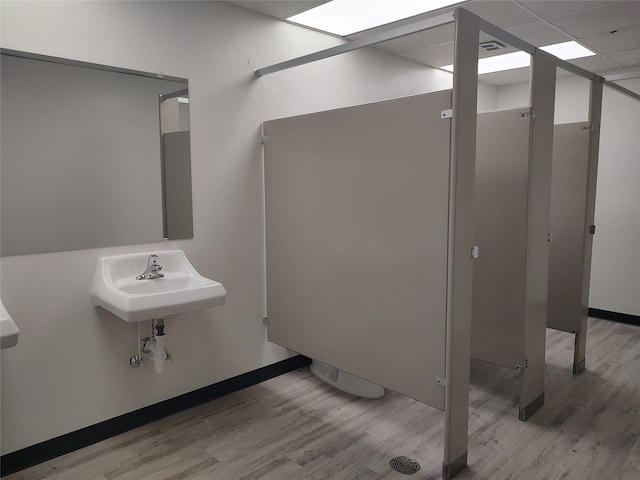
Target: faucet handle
152	261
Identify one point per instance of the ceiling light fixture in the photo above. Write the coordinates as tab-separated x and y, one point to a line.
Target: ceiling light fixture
568	50
346	17
509	61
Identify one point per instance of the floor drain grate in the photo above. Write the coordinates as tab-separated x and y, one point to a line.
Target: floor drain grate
404	465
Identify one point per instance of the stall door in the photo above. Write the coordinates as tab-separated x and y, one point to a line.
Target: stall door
568	225
501	218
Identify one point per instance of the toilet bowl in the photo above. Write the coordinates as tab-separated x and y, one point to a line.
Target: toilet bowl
346	382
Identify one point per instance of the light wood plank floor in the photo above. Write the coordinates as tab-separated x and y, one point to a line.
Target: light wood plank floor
296	427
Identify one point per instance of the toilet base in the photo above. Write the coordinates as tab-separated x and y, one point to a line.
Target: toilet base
346	382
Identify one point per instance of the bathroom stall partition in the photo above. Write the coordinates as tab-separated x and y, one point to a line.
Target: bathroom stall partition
357	219
500	274
370	233
503	317
508	329
573	192
501	217
511	217
503	189
569	229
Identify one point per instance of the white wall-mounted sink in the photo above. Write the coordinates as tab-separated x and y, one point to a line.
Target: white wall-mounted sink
181	289
8	329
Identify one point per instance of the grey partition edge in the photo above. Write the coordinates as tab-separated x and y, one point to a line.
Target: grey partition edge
575	165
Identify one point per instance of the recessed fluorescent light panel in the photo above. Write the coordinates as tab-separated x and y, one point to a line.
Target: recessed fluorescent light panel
345	17
568	50
509	61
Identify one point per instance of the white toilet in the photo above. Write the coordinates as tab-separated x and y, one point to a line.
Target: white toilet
345	381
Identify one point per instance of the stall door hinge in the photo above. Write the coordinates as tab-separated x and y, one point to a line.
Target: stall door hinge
265	321
264	139
528	115
592	229
526	365
591	128
446	113
441	381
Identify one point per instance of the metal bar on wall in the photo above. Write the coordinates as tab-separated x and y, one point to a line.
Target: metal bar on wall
358	44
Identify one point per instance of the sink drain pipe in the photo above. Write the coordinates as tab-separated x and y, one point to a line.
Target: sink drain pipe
156	345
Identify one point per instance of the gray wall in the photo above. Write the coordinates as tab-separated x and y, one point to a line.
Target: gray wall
70	368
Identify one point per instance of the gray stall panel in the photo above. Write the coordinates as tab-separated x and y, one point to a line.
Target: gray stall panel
501	213
568	225
356	233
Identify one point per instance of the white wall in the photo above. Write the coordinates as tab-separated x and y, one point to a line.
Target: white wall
572	98
615	268
487	97
70	368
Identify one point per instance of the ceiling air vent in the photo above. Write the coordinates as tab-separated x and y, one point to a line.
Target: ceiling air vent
491	46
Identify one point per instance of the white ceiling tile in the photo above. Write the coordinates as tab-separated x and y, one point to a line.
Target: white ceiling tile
594	64
627	58
625	39
503	14
555	8
595	21
409	21
538	34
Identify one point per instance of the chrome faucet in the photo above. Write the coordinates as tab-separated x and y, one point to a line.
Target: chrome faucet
153	269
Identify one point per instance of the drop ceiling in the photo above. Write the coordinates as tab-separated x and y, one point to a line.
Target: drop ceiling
611	29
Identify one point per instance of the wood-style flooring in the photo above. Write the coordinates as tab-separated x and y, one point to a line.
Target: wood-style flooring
295	427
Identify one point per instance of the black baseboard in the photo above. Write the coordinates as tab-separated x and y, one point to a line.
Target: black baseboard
615	316
41	452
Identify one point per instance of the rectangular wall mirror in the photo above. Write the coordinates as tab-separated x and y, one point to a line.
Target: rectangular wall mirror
92	156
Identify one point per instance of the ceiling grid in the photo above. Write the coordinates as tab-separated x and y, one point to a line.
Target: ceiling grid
611	29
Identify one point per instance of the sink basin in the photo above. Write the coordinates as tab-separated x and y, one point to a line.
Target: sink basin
8	329
181	289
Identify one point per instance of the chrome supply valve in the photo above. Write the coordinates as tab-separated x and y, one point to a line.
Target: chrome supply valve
135	361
